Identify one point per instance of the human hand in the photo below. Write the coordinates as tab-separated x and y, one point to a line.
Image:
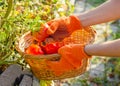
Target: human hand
42	34
59	28
63	27
71	58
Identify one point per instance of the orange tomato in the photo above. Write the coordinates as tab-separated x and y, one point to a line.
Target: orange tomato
34	49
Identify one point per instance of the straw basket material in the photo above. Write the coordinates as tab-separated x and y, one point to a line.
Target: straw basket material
38	62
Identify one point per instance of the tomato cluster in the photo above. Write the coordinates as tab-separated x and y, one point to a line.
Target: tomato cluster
39	48
49	48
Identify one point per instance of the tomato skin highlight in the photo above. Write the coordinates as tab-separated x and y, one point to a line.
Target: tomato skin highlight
34	49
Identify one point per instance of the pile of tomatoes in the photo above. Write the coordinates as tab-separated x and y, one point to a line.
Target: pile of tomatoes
47	46
40	49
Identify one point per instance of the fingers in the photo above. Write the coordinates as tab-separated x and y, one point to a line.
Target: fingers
70	54
53	26
64	49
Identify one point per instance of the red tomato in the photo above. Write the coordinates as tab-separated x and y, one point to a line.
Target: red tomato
51	48
34	49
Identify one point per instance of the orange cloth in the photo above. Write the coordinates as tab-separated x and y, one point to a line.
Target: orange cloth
59	28
71	58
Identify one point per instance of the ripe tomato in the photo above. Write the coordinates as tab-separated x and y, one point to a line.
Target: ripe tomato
51	47
34	49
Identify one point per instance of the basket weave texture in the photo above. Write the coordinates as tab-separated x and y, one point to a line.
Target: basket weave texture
38	64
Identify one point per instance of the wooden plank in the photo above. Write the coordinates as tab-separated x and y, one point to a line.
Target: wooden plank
8	77
26	81
36	82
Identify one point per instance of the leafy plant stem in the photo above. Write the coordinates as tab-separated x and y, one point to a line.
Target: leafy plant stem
9	9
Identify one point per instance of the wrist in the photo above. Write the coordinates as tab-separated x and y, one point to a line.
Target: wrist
85	53
87	50
87	18
73	23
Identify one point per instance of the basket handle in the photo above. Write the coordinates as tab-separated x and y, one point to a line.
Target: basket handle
51	57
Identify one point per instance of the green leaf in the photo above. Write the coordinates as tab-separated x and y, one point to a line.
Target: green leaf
2	36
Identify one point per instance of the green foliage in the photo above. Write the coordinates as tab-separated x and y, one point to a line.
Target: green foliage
117	34
97	80
46	82
115	26
20	16
116	63
95	3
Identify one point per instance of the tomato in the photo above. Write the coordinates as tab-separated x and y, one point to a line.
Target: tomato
51	47
34	49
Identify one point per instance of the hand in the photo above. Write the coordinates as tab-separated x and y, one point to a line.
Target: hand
63	27
42	34
71	58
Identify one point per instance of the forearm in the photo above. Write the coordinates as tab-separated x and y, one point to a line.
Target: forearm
111	48
108	11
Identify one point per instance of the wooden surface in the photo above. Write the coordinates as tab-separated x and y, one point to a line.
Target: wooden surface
15	76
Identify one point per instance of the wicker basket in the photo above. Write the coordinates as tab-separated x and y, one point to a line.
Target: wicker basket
38	62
